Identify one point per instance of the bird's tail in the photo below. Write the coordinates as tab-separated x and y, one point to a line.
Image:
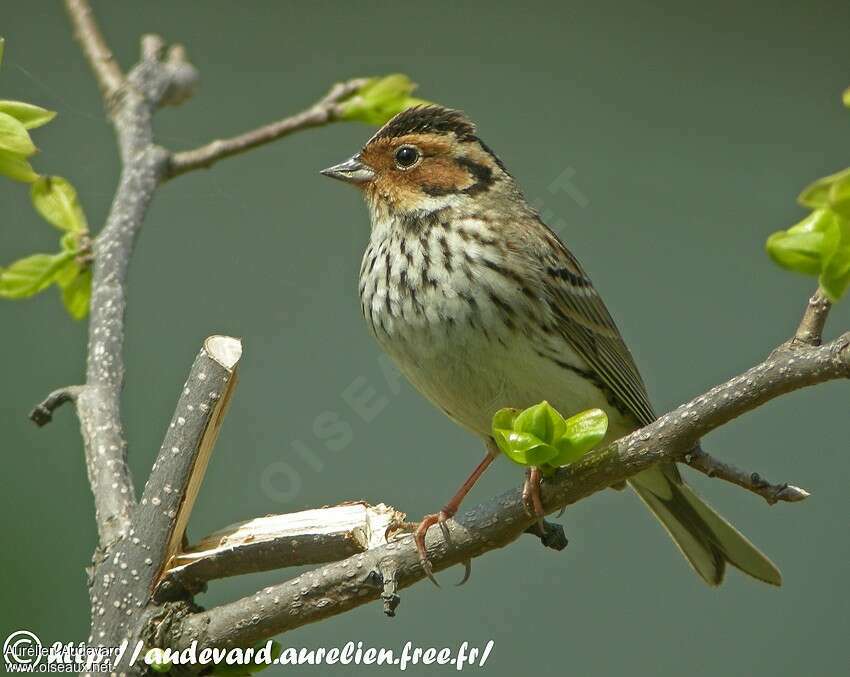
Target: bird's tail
706	539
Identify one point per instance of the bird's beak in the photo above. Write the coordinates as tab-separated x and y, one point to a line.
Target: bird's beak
352	171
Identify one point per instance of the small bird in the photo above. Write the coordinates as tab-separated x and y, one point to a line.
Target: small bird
482	307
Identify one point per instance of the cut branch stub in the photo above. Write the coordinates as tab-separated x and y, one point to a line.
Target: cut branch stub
277	541
178	471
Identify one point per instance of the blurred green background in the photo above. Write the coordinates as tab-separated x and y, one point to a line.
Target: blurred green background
685	129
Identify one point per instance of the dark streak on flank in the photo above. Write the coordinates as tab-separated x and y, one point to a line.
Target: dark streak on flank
447	254
506	308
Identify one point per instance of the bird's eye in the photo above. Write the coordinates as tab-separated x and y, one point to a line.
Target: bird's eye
406	157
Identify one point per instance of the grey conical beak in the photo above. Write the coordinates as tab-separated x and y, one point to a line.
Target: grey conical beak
351	171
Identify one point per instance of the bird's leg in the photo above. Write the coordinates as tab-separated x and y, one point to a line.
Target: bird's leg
531	495
448	511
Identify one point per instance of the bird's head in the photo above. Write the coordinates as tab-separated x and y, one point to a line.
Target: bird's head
425	158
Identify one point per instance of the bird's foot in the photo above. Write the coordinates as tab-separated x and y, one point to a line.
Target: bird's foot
531	496
419	538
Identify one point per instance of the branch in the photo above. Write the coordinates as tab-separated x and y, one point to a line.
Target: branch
772	493
152	83
321	113
810	330
106	70
338	587
42	414
169	496
276	541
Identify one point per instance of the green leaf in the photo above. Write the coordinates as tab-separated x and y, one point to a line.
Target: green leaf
839	195
32	274
56	200
542	421
800	248
504	419
835	274
583	432
14	137
67	273
27	114
380	99
15	167
523	448
156	659
816	194
2	48
70	243
76	294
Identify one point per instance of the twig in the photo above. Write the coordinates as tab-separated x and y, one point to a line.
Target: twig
106	70
772	493
277	541
321	113
551	535
336	588
42	414
388	570
810	330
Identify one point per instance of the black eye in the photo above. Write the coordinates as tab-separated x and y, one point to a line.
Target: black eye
406	157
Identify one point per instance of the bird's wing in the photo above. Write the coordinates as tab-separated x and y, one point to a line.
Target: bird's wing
585	323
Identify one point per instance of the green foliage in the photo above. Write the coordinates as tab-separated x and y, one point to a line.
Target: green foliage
819	245
156	659
28	276
56	200
27	114
16	167
540	436
380	99
14	137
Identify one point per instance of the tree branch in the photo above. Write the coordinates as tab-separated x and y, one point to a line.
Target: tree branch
277	541
810	330
172	487
42	414
106	70
338	587
126	573
772	493
321	113
150	84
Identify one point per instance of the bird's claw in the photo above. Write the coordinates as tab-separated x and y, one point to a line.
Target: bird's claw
467	571
425	563
419	538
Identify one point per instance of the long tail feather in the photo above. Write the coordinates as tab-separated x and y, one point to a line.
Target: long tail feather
706	540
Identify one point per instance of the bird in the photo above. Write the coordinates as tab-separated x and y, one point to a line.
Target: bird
482	306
